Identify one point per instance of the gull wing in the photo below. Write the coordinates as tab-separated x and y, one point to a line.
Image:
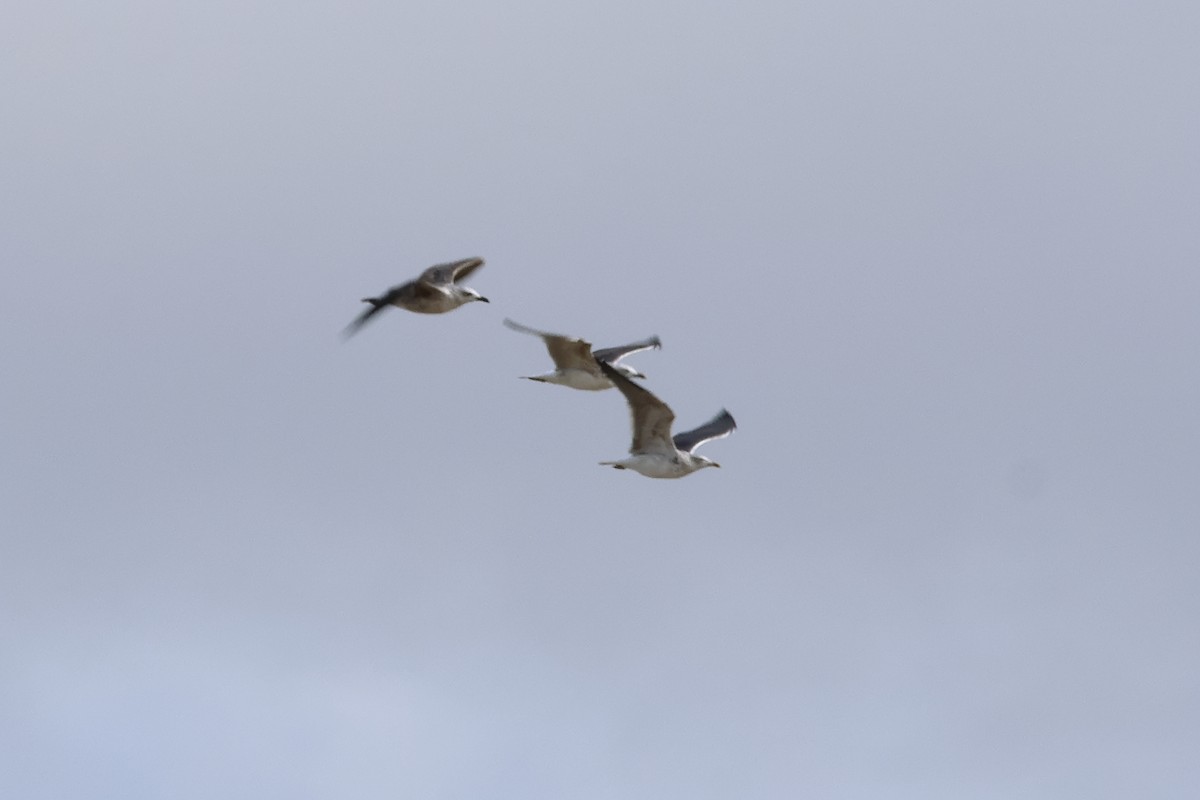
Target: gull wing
652	417
614	354
718	427
377	304
362	318
451	271
567	352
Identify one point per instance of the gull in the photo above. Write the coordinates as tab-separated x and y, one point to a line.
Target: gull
654	453
576	365
436	291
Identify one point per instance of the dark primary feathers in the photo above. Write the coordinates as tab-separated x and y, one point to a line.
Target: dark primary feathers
377	305
718	427
615	354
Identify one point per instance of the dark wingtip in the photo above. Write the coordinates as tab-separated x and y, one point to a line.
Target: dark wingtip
351	329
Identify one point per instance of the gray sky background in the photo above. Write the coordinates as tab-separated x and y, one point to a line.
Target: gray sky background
939	260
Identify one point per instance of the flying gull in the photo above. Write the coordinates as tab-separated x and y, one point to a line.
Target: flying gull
435	292
575	364
654	452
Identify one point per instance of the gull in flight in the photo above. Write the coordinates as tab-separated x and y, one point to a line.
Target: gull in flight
655	453
575	363
436	291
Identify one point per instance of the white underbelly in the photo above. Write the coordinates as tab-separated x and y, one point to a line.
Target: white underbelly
654	465
587	381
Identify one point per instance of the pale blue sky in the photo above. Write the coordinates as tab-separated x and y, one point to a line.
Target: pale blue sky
939	260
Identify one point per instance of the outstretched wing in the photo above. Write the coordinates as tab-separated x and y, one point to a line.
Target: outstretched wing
516	326
451	271
377	304
567	352
361	319
614	354
652	417
718	427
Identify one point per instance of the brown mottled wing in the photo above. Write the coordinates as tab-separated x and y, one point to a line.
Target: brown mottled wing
718	427
652	417
570	353
451	271
567	352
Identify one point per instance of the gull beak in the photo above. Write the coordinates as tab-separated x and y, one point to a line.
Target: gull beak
484	300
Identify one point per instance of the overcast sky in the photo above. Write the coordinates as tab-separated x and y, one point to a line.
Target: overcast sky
940	260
